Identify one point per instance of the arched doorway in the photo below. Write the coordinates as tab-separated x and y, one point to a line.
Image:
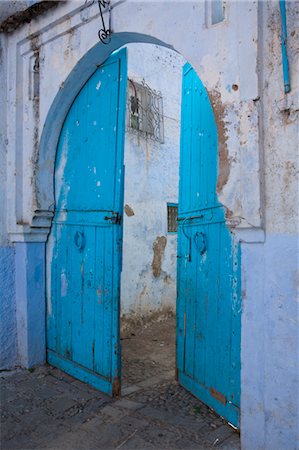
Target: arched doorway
86	236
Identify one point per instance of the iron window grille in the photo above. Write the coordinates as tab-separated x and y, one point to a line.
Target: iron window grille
145	111
172	217
217	15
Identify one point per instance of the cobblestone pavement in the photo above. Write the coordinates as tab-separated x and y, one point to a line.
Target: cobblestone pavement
149	352
47	409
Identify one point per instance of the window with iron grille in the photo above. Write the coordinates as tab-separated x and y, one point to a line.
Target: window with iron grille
172	217
145	111
217	11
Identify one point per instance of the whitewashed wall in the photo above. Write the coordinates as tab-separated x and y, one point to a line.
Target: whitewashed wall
151	180
270	277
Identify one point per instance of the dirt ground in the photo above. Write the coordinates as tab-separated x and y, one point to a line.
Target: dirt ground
48	409
149	351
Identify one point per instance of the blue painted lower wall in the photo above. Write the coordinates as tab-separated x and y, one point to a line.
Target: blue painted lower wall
8	322
269	343
31	302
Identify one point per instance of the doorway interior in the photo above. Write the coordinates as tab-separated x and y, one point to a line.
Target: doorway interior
149	265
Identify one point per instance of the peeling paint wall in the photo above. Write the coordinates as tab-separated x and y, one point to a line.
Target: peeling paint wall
63	35
11	7
270	385
281	123
8	327
151	180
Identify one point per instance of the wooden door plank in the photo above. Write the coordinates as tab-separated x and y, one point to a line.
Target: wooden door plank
208	304
83	334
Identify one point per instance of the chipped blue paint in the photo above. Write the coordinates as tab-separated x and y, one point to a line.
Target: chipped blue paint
8	334
30	290
84	247
208	304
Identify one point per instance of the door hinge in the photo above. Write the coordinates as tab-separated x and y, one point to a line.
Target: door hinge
115	218
116	387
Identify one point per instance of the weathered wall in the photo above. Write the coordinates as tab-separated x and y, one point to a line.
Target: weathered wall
281	143
270	269
151	180
226	69
8	328
10	7
8	325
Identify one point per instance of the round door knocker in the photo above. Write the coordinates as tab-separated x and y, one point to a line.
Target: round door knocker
200	240
79	240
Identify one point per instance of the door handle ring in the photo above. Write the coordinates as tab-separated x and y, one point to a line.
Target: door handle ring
200	240
79	240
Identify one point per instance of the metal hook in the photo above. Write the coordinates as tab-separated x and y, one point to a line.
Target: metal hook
188	237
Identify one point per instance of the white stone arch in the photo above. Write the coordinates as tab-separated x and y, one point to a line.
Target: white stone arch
229	76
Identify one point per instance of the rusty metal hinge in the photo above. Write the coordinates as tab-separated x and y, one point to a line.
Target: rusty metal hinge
115	218
116	387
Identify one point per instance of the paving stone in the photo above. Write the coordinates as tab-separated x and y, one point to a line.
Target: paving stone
130	389
75	440
166	437
60	405
47	409
112	412
62	376
183	445
92	424
46	432
20	442
34	418
134	421
128	404
173	419
18	406
108	436
12	429
219	435
137	442
46	390
150	382
232	443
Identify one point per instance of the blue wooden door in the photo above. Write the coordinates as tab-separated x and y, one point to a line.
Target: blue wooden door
84	247
208	304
